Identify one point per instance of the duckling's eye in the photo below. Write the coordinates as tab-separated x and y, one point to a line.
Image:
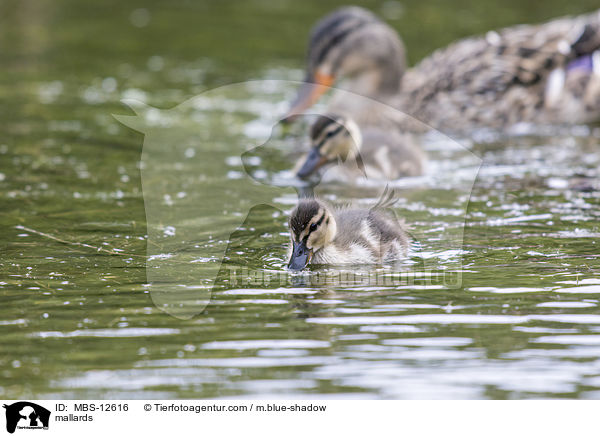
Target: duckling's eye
329	134
313	227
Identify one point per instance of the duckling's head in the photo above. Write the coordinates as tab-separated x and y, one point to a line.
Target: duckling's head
312	227
351	45
333	138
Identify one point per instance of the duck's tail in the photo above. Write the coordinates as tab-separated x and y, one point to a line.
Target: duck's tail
585	38
573	90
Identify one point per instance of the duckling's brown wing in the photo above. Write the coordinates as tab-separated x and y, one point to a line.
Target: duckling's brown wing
387	226
498	79
349	223
374	229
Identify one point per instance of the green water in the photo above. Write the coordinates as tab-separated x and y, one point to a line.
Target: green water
78	322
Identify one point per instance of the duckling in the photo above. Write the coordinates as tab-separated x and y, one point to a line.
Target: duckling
542	74
371	152
322	235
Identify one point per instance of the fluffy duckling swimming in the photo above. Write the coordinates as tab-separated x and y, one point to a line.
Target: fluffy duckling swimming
371	152
322	235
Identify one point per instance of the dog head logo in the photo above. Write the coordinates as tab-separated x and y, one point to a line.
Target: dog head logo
26	415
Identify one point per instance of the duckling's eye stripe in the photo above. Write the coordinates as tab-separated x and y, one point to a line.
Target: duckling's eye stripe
321	220
329	135
318	223
321	126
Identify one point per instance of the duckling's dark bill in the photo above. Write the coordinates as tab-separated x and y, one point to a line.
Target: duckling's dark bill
300	256
313	162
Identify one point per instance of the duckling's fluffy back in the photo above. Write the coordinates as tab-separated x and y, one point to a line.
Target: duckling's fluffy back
364	236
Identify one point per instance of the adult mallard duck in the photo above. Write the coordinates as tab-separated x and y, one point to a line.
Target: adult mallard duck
547	73
322	235
372	152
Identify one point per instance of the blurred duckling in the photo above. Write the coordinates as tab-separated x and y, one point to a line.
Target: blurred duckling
370	152
323	235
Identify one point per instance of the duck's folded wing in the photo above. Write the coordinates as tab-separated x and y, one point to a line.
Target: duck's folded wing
514	63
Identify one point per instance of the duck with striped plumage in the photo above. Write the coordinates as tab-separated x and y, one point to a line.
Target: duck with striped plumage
542	74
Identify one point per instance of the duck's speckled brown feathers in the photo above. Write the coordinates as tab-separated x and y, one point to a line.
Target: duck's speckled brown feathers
501	78
518	74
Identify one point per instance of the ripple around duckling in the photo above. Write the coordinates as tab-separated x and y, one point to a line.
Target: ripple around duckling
457	319
567	304
569	340
13	322
108	333
262	344
592	289
430	342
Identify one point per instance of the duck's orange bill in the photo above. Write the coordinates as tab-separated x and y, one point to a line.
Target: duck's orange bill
309	93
